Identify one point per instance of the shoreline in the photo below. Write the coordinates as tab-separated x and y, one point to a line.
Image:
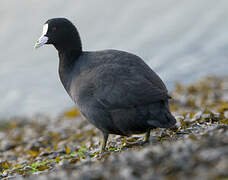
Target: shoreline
67	147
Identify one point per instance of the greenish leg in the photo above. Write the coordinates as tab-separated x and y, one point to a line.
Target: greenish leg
147	136
104	142
124	140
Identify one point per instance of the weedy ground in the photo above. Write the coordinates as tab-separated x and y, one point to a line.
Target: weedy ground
68	147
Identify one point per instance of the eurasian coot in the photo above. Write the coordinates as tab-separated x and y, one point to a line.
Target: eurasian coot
116	91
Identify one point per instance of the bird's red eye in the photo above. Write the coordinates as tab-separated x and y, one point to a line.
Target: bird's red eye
53	29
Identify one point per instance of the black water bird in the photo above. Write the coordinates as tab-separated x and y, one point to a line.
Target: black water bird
114	90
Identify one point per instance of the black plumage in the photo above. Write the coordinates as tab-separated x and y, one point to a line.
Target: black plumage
114	90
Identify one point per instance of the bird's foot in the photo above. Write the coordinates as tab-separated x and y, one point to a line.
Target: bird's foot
147	137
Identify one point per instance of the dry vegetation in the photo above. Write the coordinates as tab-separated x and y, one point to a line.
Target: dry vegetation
67	147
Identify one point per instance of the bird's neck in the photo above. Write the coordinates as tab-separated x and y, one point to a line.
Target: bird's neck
69	44
67	61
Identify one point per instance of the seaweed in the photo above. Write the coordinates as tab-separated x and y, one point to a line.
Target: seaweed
69	145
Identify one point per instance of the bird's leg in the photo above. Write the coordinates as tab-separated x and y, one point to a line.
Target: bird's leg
124	140
104	141
147	136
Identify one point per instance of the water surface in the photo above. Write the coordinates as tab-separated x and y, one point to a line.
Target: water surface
181	40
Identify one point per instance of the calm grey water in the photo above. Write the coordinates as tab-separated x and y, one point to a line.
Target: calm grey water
181	40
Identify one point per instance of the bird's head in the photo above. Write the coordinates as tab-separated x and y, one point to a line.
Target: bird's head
61	33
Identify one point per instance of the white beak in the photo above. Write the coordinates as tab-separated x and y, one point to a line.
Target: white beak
42	40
